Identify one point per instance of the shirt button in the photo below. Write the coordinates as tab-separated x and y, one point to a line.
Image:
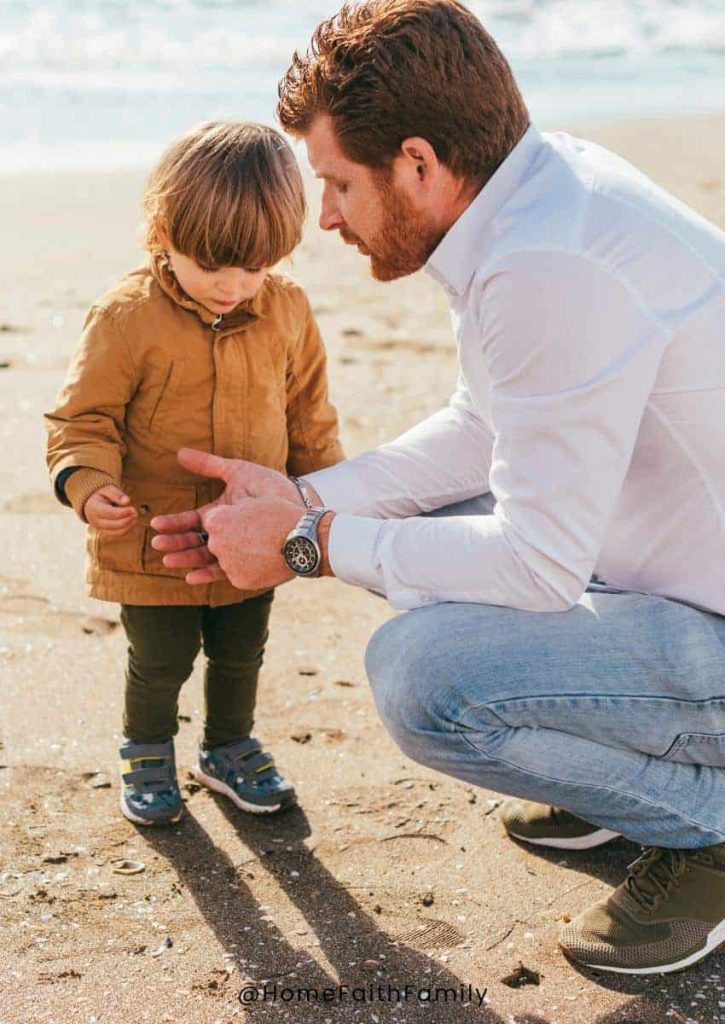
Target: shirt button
145	510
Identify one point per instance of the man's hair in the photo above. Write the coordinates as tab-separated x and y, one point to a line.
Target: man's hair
387	70
228	194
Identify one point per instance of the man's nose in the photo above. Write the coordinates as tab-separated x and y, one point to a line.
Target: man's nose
330	217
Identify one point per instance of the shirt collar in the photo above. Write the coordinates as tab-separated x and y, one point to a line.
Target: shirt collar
454	260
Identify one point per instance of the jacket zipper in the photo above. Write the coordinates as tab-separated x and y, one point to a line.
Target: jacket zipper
217	323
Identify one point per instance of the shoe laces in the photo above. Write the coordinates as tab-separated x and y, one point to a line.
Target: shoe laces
652	876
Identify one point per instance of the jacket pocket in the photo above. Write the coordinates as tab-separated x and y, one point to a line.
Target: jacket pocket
698	748
117	554
134	553
169	387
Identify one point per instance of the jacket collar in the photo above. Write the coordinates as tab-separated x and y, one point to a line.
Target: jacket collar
240	316
457	257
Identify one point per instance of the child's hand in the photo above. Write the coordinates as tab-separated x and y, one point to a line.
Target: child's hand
110	511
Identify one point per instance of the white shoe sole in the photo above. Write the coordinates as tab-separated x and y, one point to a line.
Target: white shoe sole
714	939
144	821
587	842
221	787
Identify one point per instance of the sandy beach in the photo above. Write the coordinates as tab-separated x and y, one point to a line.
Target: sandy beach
387	875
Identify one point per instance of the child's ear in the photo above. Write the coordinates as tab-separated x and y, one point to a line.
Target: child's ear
161	233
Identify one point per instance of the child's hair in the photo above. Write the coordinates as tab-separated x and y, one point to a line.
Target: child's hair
229	194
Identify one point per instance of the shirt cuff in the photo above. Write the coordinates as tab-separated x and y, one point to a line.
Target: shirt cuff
351	550
339	487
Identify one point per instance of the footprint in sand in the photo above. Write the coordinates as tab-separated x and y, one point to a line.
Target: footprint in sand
33	613
431	934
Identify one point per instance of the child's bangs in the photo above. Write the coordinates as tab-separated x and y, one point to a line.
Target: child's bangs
241	221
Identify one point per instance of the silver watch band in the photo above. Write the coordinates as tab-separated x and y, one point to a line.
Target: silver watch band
304	492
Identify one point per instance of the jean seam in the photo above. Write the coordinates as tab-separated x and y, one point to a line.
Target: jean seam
491	705
589	786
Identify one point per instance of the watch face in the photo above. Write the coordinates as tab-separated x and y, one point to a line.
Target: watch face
301	556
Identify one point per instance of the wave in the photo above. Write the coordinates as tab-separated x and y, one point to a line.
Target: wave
211	36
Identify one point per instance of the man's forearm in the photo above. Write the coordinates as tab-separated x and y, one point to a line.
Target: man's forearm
442	460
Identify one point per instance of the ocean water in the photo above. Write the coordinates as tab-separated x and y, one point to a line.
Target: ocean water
107	83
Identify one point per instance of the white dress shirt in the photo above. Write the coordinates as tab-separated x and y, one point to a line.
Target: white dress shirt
589	311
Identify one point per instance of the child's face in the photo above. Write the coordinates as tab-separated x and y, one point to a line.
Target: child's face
219	289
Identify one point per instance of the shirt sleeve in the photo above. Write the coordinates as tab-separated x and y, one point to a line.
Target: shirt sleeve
444	459
573	356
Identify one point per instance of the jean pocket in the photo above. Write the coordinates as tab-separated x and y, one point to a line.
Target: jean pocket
698	748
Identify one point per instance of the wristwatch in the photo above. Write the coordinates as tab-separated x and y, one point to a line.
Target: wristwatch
301	550
304	492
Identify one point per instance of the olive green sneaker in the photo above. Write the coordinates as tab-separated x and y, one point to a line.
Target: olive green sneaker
544	825
668	913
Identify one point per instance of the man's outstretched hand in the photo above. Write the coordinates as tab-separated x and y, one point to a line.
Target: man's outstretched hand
247	525
245	544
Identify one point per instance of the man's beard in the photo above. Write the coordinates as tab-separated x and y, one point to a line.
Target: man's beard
405	240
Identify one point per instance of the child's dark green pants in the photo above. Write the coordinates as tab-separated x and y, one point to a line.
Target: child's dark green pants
164	640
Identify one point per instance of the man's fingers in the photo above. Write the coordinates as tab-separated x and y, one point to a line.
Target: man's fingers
189	559
203	463
178	541
209	575
177	522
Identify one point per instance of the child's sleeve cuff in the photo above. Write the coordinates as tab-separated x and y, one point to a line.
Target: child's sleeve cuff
80	485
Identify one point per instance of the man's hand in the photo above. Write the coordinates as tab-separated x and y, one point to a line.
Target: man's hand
242	479
245	544
256	493
110	511
179	533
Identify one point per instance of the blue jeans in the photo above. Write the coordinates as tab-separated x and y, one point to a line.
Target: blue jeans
614	709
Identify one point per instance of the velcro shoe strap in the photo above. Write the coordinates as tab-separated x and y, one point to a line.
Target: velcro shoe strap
132	751
253	765
242	749
144	777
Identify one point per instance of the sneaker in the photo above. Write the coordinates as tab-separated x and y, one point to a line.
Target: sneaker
544	825
668	913
247	775
150	792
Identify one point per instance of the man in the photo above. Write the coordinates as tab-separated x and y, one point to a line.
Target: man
564	636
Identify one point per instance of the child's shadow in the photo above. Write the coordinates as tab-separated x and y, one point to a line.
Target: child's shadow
347	935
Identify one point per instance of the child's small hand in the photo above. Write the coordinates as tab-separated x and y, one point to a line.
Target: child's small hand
110	511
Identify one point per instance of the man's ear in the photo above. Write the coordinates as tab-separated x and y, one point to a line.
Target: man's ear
421	159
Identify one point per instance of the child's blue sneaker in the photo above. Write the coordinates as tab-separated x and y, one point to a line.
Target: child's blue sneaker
247	775
150	792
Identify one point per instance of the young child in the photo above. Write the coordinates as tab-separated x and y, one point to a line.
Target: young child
205	348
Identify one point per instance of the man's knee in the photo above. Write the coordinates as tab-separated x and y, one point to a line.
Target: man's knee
405	677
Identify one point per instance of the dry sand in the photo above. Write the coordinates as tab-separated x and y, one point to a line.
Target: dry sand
386	874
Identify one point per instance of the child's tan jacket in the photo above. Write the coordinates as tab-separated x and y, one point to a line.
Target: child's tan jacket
155	372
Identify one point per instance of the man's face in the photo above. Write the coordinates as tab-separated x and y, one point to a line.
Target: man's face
376	211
